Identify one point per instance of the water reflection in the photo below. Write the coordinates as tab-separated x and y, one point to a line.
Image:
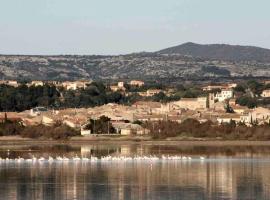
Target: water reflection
137	180
135	149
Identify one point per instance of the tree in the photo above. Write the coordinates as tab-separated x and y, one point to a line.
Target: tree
240	88
255	87
102	125
247	101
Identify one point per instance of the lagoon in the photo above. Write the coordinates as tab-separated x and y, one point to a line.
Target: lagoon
227	172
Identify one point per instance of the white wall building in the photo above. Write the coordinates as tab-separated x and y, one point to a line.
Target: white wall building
224	94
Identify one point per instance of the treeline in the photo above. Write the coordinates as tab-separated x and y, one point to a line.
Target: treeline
248	94
24	98
193	128
57	132
178	91
95	94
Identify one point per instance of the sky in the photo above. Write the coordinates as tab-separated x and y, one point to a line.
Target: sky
48	27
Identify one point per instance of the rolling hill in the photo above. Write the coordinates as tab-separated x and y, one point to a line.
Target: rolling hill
188	60
221	52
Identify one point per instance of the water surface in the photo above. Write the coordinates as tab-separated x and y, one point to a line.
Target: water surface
236	172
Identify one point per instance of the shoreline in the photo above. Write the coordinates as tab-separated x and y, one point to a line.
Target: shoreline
17	141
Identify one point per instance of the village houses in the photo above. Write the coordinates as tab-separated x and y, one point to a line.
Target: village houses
119	87
36	83
213	107
69	85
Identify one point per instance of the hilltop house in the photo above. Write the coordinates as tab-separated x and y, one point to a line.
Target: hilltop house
75	85
136	83
10	83
119	87
36	83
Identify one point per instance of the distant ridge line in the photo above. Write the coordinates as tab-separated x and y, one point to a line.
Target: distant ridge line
220	52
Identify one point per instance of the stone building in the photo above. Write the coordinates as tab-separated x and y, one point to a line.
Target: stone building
192	103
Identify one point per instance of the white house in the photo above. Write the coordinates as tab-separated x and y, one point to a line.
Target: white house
224	95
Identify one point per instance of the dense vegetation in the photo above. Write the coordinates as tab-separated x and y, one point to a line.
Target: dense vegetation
211	69
249	92
193	128
95	94
56	132
24	98
100	126
177	92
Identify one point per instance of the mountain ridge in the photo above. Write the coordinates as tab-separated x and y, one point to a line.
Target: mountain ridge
189	60
220	52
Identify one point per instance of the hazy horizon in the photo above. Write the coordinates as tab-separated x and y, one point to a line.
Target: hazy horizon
119	54
91	27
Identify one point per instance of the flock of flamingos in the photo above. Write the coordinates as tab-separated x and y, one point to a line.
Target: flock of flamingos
96	159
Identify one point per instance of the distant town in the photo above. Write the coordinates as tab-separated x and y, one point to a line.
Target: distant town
134	108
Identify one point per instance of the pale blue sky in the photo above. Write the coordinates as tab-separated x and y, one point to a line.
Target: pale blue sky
125	26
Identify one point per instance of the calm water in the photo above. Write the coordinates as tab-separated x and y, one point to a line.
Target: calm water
227	173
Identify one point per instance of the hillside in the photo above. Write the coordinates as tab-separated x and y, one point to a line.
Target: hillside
221	52
189	61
